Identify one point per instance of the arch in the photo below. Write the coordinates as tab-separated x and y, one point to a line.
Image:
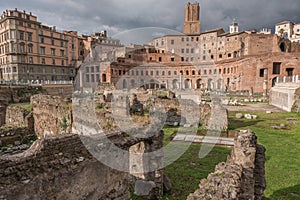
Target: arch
175	84
198	83
219	84
274	80
210	85
282	47
152	84
132	83
187	83
124	84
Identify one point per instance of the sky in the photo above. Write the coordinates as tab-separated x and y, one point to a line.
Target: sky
117	16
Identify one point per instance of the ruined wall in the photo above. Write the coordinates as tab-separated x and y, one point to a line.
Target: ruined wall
245	73
240	177
60	168
52	115
18	117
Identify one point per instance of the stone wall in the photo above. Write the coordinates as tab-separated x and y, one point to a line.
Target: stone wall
15	136
60	168
52	115
17	116
240	177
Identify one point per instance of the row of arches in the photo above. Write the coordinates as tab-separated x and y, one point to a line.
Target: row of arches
209	84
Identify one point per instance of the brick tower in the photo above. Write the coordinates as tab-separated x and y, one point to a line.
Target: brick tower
192	19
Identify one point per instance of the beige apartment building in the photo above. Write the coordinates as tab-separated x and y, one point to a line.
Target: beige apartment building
289	30
31	51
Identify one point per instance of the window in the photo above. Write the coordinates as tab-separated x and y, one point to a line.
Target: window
199	72
175	73
192	39
28	17
53	52
42	50
52	42
160	59
182	50
192	50
163	73
204	58
87	69
14	69
187	50
30	60
97	69
30	49
87	78
22	48
53	61
220	55
62	53
205	72
172	42
162	43
42	40
62	44
169	73
212	57
21	35
97	77
29	37
229	55
276	68
63	62
182	39
157	73
43	61
261	72
187	39
193	73
172	59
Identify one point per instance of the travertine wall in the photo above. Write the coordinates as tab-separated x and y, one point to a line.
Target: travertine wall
241	177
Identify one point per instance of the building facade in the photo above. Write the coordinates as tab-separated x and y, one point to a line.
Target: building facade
31	51
289	30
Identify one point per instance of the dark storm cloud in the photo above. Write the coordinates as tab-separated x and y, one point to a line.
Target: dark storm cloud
87	16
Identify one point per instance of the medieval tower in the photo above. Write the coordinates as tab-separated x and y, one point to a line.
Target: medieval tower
192	19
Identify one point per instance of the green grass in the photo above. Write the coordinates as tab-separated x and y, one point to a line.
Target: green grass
25	106
283	151
186	172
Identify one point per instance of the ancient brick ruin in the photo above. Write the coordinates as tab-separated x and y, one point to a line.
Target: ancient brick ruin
242	176
63	165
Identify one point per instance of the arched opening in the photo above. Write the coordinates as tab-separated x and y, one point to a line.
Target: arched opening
219	84
152	84
187	83
175	84
210	85
198	84
124	84
282	47
274	81
132	83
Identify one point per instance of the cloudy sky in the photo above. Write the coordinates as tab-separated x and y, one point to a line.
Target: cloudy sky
117	16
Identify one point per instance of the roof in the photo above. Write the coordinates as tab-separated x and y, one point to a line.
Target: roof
285	22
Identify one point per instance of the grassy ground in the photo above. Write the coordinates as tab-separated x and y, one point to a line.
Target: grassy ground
283	151
185	173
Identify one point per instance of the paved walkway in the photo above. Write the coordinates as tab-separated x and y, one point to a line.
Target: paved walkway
204	139
263	107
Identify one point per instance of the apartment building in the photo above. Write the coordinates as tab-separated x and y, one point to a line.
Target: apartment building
31	51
